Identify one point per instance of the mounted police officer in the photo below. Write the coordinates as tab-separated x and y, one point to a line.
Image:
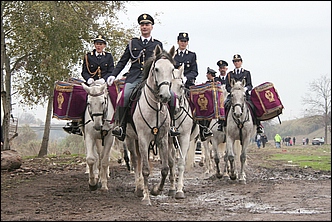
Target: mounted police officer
97	66
137	52
223	66
238	74
204	131
188	58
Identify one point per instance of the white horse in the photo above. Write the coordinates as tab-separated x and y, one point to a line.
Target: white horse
151	120
214	147
97	136
240	127
188	130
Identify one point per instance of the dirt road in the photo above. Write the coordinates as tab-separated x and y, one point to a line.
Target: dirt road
57	189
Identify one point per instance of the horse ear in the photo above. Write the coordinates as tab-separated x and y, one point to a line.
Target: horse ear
85	87
243	82
232	82
172	51
157	50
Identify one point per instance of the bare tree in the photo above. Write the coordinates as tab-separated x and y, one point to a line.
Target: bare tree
318	101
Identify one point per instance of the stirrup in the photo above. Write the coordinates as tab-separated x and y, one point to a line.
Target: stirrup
117	131
259	130
174	132
207	133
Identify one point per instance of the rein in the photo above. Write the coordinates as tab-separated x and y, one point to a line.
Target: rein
103	114
238	121
155	129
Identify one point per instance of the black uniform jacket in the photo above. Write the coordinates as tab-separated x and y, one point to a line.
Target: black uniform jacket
190	64
97	68
218	79
138	54
244	74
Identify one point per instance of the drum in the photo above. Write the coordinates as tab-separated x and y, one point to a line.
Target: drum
207	101
266	101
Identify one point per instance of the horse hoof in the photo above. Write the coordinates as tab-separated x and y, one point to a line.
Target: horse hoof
233	177
139	193
94	187
171	193
201	164
146	202
155	191
104	189
179	195
218	175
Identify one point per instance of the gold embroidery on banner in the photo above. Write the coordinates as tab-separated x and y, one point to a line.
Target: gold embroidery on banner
202	101
64	88
60	100
269	95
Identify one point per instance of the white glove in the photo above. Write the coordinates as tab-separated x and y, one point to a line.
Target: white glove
100	81
110	80
90	81
245	89
184	79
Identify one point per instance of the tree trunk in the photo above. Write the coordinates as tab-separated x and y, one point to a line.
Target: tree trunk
47	129
10	160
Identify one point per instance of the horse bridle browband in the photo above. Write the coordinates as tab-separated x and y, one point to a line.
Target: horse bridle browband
104	110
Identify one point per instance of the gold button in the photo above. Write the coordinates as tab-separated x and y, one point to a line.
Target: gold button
141	68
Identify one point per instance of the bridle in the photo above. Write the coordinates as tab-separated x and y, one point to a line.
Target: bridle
105	107
240	121
151	72
158	109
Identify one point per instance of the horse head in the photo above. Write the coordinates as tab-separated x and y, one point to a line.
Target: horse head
178	87
97	103
161	67
238	98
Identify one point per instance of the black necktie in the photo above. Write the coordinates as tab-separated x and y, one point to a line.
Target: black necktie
145	41
181	54
99	56
238	71
223	78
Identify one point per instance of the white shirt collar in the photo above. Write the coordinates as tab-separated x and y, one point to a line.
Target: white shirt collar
146	38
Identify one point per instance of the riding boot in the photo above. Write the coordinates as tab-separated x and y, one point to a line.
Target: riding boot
259	127
119	131
221	124
173	130
72	127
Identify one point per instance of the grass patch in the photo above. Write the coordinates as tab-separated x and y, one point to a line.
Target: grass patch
315	157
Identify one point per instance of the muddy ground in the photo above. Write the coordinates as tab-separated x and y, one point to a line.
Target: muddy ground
57	189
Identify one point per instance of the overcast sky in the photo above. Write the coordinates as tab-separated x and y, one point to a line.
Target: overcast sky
283	42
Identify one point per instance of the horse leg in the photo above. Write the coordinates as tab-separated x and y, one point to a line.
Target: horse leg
143	150
226	167
171	164
126	156
104	161
163	148
181	165
91	160
243	158
216	157
231	159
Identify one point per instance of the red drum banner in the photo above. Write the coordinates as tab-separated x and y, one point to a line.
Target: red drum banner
266	101
69	101
207	101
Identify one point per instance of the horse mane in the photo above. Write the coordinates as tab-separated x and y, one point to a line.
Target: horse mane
148	63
